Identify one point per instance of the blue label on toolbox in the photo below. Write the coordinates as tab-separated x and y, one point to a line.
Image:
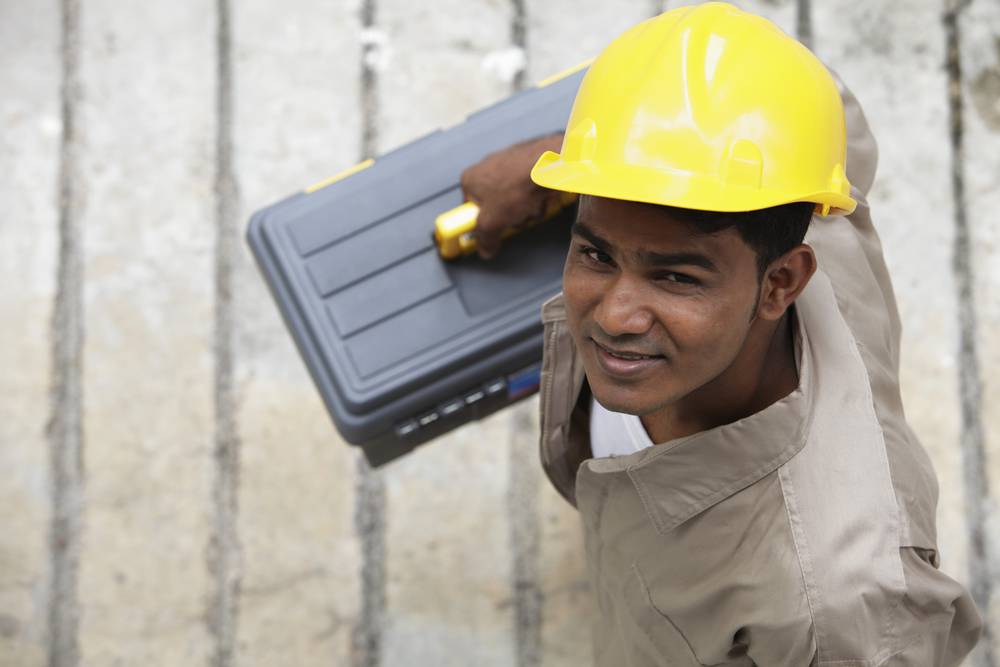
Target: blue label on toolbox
524	381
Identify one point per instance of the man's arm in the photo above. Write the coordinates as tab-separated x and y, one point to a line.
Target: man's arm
937	624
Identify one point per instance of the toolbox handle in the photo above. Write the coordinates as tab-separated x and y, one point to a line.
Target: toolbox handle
454	230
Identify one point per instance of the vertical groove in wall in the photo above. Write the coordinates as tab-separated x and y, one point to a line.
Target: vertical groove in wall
369	509
523	482
224	551
369	522
969	378
519	39
803	22
525	537
65	429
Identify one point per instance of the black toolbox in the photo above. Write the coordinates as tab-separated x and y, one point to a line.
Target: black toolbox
403	345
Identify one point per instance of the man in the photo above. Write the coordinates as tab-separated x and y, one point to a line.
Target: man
785	513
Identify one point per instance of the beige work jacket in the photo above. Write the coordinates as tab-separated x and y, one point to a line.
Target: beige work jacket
801	535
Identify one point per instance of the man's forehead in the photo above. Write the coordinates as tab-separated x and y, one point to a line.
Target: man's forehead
649	229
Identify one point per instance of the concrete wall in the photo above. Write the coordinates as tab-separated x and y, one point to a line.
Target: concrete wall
173	491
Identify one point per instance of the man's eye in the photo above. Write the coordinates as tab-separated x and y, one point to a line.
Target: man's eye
679	278
595	255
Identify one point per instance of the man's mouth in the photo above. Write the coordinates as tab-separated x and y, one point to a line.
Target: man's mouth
626	365
627	354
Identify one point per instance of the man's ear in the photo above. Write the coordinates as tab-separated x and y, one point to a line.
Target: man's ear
784	280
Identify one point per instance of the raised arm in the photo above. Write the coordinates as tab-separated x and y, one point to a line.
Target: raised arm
938	623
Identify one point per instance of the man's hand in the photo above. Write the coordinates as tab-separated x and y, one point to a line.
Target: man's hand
500	184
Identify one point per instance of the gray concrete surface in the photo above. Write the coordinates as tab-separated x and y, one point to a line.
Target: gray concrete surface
977	185
29	248
297	553
174	491
145	169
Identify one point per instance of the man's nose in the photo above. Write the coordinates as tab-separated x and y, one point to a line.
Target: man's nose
623	309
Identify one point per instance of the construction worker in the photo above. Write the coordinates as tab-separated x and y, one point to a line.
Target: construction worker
719	392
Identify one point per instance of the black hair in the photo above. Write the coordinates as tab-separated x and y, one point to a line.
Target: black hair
770	232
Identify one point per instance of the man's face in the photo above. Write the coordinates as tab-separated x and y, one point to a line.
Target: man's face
637	280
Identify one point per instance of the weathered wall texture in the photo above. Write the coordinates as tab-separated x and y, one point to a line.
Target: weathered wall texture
173	491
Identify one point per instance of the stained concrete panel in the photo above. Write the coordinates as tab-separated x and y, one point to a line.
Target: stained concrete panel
979	31
784	13
562	34
297	69
148	134
29	159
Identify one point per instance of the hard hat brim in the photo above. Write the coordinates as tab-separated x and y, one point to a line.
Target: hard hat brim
670	188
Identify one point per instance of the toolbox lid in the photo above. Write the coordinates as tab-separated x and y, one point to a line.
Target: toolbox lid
378	316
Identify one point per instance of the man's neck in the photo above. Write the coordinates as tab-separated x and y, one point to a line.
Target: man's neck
763	373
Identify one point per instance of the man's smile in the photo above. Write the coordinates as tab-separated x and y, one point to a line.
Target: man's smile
624	363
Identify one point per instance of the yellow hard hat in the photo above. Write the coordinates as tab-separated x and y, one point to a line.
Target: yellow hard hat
705	107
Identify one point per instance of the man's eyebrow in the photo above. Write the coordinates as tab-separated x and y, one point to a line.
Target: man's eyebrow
586	232
649	258
646	257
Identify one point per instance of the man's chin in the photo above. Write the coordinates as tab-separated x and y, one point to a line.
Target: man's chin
624	402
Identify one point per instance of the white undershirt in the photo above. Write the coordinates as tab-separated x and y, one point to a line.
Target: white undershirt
615	433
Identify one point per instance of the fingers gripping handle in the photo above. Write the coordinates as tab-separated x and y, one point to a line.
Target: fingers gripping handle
454	230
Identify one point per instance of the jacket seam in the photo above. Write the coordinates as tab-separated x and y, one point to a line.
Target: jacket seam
805	562
654	608
547	386
889	630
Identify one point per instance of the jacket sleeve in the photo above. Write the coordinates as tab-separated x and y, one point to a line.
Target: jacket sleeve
849	252
939	624
935	624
